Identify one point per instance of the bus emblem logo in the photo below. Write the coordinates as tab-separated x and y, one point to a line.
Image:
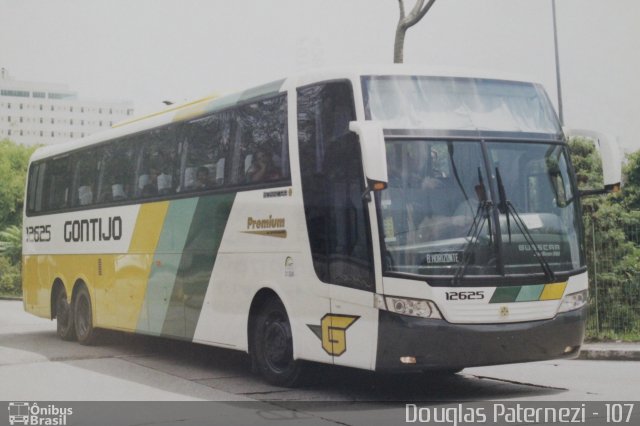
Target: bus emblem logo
332	331
271	227
504	311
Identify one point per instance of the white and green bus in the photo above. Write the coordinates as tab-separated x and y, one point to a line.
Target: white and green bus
383	220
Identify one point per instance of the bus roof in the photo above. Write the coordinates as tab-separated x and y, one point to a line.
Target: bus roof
204	106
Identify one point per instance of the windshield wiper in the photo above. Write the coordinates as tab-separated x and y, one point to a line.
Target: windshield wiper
506	207
481	216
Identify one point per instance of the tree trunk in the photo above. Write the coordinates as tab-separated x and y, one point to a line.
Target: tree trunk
407	21
398	47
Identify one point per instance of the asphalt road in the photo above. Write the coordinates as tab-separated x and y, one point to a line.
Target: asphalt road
36	365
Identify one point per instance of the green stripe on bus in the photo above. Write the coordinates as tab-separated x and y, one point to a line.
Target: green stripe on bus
229	101
505	295
222	103
166	261
530	293
527	293
266	89
196	264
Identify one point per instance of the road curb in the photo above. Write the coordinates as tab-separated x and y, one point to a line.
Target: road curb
10	298
610	354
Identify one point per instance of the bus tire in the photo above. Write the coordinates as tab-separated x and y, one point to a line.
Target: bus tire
65	328
83	317
273	344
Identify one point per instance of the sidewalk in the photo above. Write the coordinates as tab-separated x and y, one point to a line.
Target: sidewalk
611	351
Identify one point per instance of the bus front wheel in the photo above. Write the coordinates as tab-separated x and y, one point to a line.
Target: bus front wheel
64	316
273	345
83	317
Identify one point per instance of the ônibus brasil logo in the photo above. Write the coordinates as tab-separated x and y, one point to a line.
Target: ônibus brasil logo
26	413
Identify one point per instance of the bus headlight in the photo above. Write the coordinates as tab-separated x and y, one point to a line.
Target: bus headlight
574	301
412	307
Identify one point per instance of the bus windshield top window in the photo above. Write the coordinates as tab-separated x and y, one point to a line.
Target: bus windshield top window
445	103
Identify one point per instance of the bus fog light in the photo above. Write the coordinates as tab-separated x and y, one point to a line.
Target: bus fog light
574	301
412	307
408	359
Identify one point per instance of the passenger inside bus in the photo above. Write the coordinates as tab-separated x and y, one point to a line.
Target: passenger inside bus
155	182
202	178
147	183
262	167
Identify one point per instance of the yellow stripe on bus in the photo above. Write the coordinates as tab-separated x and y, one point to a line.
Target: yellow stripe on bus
127	275
195	109
553	291
148	227
165	111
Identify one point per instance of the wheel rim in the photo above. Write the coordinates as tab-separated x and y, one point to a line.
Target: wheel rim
82	319
277	347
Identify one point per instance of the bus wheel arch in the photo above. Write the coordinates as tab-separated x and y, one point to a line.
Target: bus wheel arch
259	299
82	307
62	311
270	340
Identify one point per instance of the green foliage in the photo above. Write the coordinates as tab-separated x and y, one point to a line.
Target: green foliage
587	163
10	277
14	159
612	225
631	172
11	243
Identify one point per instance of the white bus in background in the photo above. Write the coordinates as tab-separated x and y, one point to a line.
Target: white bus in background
386	220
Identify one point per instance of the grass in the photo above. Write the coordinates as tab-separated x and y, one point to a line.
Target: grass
612	336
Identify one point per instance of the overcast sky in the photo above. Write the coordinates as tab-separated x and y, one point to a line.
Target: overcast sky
147	51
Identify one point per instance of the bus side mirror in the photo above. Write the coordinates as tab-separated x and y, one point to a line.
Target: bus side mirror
374	154
611	160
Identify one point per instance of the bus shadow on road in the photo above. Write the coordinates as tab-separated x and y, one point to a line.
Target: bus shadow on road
230	371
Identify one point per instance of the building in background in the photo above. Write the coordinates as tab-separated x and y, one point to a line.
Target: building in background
45	113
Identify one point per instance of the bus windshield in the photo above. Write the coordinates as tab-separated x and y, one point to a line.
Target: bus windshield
474	190
444	212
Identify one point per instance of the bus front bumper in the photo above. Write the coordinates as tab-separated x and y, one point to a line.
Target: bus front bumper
439	345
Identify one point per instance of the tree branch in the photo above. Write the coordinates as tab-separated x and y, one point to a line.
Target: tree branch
418	12
401	3
415	10
405	21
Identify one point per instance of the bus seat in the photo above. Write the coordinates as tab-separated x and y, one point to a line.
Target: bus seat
85	195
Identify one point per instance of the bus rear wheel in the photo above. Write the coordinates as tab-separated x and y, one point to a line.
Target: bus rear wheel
273	345
64	317
83	317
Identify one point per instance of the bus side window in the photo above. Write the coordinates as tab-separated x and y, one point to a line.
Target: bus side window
85	177
159	163
332	186
261	150
31	191
207	146
57	184
117	169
